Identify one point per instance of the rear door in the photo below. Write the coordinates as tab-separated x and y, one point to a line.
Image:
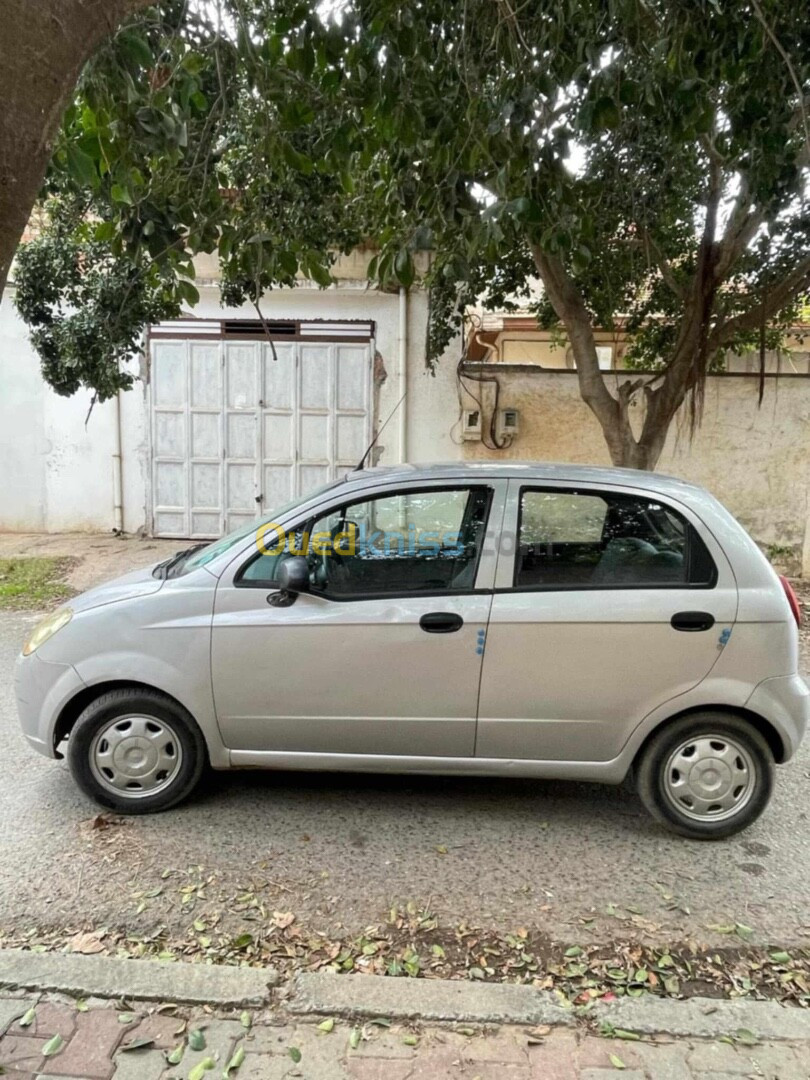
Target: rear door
608	603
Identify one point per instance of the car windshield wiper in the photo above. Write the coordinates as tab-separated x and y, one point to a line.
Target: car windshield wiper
162	570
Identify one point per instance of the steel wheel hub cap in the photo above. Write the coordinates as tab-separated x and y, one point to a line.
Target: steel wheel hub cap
136	756
709	778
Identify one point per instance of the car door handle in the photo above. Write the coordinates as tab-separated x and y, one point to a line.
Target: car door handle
690	621
441	622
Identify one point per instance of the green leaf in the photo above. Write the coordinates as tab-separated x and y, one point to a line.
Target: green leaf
196	1040
191	295
327	1025
246	1020
125	1018
404	268
82	167
81	1005
743	931
410	1040
52	1046
630	1036
746	1037
617	1062
174	1057
574	950
138	1044
237	1059
118	193
354	1038
135	48
294	1053
28	1018
199	1071
780	957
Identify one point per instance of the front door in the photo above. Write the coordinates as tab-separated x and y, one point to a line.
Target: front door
608	604
383	654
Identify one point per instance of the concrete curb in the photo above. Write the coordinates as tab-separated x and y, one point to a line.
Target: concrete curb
496	1003
136	980
425	999
706	1018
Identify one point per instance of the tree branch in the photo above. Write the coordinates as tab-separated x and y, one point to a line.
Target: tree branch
662	263
778	297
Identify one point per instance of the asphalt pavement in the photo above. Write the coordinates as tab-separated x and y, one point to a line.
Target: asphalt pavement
578	862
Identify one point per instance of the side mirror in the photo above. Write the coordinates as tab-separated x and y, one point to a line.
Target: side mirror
293	575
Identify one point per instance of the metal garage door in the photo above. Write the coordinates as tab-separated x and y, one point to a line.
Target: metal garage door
236	432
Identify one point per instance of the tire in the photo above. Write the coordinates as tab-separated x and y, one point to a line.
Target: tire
707	775
136	751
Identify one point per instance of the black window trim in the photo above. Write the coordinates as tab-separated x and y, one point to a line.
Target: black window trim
240	583
618	586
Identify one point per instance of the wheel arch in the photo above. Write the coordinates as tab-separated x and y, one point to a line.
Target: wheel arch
73	708
759	723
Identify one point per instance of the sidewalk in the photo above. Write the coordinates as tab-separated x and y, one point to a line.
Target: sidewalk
49	1036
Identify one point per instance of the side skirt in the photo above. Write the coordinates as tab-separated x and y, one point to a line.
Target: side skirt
603	772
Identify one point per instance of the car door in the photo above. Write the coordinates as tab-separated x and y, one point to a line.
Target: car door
608	603
383	655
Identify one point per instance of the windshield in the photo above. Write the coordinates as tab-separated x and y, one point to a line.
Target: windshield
201	556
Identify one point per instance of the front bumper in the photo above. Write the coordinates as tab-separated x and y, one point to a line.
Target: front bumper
43	689
785	702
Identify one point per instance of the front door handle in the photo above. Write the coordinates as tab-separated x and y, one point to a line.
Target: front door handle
691	621
441	622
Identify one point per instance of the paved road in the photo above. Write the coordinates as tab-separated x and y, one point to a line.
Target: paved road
343	849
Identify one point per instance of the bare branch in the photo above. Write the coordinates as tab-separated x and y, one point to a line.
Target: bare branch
662	263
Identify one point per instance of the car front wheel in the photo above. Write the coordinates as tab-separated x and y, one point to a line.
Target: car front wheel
706	775
136	751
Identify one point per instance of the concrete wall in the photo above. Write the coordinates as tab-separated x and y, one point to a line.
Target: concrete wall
756	460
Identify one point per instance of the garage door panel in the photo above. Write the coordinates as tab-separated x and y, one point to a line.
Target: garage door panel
278	437
205	486
206	368
170	434
240	486
205	523
352	377
170	523
350	438
241	435
279	377
205	441
279	485
169	374
312	476
170	482
316	376
240	368
314	438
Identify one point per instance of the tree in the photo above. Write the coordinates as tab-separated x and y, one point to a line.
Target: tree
45	45
647	158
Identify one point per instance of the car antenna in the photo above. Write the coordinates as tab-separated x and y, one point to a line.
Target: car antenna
359	466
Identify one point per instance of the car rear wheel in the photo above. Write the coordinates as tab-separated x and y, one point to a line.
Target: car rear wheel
136	751
707	775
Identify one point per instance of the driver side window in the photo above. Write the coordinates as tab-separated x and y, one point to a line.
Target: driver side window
409	542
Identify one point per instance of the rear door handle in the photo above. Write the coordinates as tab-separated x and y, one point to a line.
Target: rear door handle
691	621
441	622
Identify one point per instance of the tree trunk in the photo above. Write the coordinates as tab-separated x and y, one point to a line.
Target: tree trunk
46	44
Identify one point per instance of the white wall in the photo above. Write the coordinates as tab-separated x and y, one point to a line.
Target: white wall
56	473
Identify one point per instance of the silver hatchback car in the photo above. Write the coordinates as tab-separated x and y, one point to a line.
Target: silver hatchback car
481	619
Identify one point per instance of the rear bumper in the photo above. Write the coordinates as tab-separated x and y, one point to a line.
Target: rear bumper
785	703
42	690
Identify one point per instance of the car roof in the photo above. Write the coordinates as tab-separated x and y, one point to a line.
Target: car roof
524	470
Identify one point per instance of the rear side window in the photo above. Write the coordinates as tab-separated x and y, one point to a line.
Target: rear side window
606	540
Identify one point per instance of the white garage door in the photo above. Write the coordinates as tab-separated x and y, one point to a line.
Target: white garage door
237	432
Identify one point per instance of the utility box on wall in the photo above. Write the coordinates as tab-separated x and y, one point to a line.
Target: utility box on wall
471	425
507	423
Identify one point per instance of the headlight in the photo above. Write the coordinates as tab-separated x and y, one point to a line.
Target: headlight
46	629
